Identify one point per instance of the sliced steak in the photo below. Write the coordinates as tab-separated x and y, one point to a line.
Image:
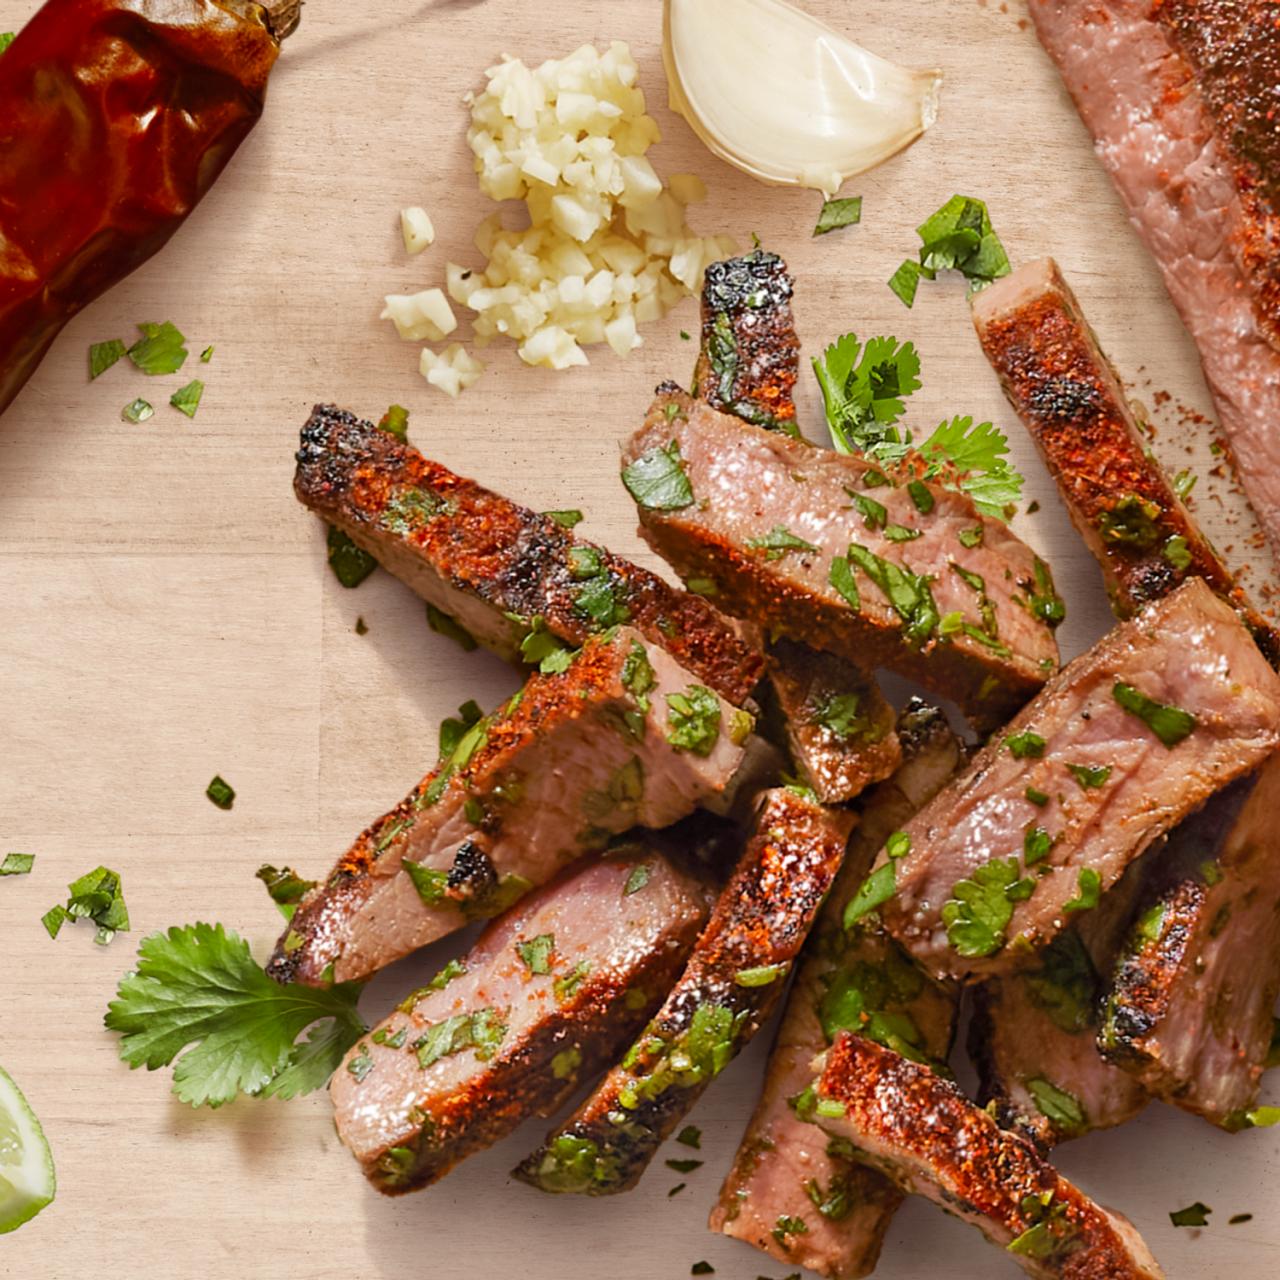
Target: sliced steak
497	568
1181	99
546	998
749	357
1071	401
1122	745
835	719
924	1134
623	737
1189	1012
793	1193
734	978
1033	1034
813	545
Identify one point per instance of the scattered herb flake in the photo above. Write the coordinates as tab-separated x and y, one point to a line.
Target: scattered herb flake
566	519
442	624
838	213
1170	724
17	864
96	896
285	886
702	1269
657	479
693	720
1089	886
875	891
187	399
759	976
1237	1218
981	906
637	880
842	579
206	355
777	542
221	792
907	592
1177	553
1036	796
906	280
535	954
1059	1107
160	350
683	1166
690	1136
1183	483
1025	745
351	565
1194	1215
566	988
430	883
137	411
102	355
1090	777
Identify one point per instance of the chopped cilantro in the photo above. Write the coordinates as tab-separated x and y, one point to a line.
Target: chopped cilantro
17	864
1045	603
1026	744
1183	483
788	1225
1131	521
683	1166
905	281
874	514
971	538
693	720
841	715
598	596
981	907
285	886
221	792
395	421
566	988
6	39
1066	984
1036	796
206	355
160	350
137	411
1090	777
351	565
657	479
454	969
187	399
1170	724
1059	1107
442	624
1177	553
838	213
1089	884
907	592
958	237
842	579
760	976
430	883
777	542
1237	1218
102	355
1194	1215
483	1031
637	880
535	954
702	1269
453	730
565	519
566	1063
1036	844
875	891
690	1136
923	497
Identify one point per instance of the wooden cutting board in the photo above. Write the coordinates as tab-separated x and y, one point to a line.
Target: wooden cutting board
166	614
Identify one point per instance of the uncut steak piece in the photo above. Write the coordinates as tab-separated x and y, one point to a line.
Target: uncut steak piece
1128	740
837	723
923	1133
1180	97
1033	1034
734	978
499	570
548	995
813	545
1072	403
622	737
793	1192
835	720
1190	1007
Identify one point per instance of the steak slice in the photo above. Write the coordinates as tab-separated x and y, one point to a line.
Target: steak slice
1189	1012
837	723
1180	98
574	758
787	1171
815	546
1033	1034
497	568
549	993
1072	403
734	978
924	1134
1122	745
834	718
749	357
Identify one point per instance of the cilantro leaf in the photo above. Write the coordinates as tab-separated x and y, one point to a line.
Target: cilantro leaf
1060	1108
199	999
96	896
187	399
657	479
1170	724
777	542
161	349
6	39
286	887
102	355
981	907
838	213
973	458
693	720
17	864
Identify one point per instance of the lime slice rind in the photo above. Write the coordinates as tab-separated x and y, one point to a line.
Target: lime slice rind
27	1181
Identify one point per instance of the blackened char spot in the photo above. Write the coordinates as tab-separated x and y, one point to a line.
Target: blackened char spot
472	874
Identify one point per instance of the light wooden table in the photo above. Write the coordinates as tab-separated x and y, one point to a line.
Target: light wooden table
166	614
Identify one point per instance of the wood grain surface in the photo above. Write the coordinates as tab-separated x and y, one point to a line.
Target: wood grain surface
166	614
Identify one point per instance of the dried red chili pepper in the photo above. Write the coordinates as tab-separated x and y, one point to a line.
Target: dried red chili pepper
116	116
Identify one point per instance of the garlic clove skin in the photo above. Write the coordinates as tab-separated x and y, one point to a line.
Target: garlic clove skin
783	97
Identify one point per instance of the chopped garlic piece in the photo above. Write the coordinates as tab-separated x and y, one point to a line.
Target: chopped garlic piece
420	315
416	228
452	370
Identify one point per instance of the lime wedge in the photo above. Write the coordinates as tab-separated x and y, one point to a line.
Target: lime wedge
26	1164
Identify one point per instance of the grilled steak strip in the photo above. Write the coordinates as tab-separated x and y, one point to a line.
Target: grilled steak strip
1033	1034
794	538
749	356
497	568
786	1170
835	719
1180	97
1052	811
1071	401
547	996
734	978
924	1134
748	364
1189	1012
573	759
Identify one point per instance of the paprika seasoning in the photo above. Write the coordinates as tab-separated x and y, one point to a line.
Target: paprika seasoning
116	116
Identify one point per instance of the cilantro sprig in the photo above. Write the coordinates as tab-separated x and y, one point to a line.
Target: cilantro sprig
958	237
864	392
200	1000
